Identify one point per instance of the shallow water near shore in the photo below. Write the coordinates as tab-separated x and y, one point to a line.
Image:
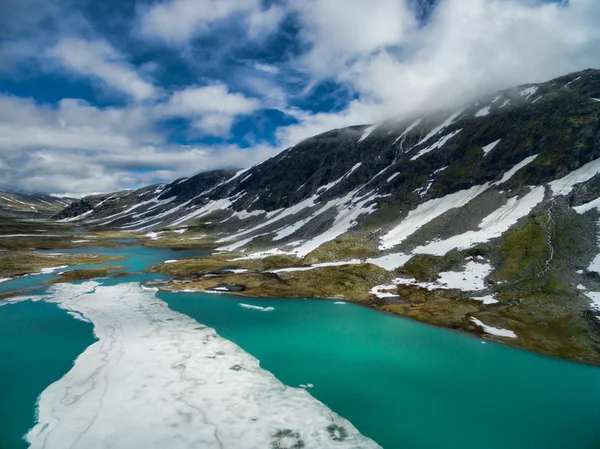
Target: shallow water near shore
402	383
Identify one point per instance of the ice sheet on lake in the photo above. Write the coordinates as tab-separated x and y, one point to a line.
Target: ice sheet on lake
157	378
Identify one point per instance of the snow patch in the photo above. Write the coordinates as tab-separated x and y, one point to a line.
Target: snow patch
490	147
492	226
488	299
483	112
563	186
445	124
390	261
426	212
494	330
440	143
470	279
392	177
367	132
527	93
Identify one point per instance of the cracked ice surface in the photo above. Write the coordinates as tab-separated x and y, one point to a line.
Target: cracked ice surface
159	379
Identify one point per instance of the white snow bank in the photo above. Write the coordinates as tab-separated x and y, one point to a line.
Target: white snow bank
471	278
171	261
494	330
594	204
427	212
563	186
157	378
510	173
488	299
440	143
407	130
595	297
492	226
390	261
445	124
383	291
527	93
4	279
392	177
52	269
317	265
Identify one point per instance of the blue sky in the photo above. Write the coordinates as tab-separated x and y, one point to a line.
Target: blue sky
105	95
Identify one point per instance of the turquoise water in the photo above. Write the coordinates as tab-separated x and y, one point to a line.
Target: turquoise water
409	385
38	343
402	383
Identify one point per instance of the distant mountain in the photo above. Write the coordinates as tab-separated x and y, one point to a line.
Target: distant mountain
21	205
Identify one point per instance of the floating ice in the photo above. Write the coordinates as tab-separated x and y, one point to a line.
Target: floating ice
262	309
157	378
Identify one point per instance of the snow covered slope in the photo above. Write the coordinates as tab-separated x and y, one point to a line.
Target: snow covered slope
429	184
31	205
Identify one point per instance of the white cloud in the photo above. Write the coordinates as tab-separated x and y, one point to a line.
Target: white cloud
99	60
339	34
213	108
79	148
468	48
177	21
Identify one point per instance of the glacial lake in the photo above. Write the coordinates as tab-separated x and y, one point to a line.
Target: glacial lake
401	383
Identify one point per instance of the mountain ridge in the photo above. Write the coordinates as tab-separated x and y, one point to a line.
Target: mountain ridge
24	205
480	218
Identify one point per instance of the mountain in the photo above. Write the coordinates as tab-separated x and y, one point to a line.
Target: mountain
491	210
22	205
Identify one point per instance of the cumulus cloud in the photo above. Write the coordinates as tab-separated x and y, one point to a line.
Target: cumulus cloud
177	21
468	48
99	60
377	54
212	108
80	148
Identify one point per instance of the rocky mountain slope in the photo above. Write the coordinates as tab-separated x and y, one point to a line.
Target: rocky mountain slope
484	218
19	205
